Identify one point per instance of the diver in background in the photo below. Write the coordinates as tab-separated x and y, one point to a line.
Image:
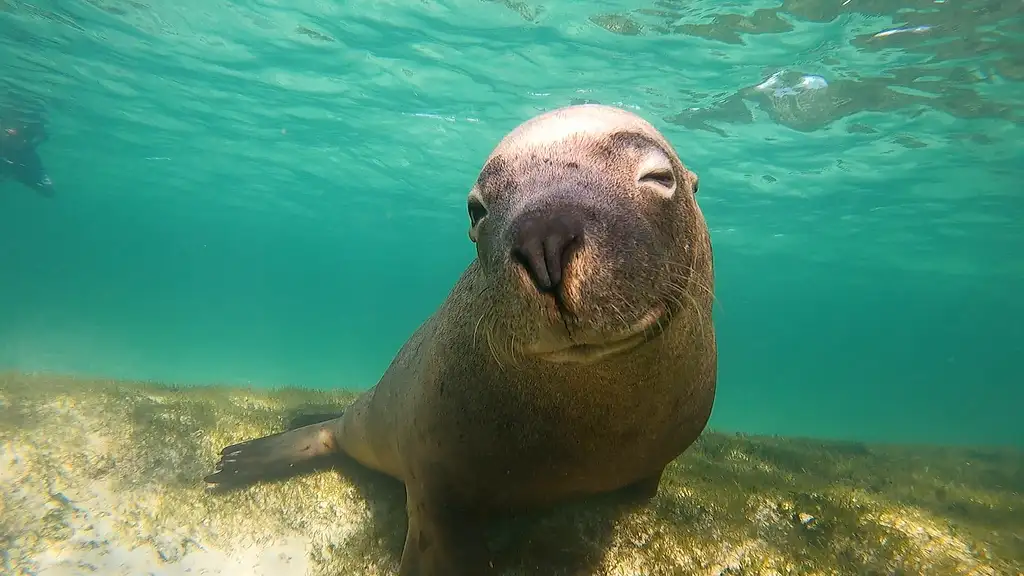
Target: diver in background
20	133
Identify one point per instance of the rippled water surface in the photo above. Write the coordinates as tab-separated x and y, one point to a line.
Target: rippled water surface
274	192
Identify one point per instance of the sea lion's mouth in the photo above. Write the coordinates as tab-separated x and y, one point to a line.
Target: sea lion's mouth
650	326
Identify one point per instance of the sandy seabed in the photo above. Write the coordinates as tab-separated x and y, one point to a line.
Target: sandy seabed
105	477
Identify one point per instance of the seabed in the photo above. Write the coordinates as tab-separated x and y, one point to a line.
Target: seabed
105	477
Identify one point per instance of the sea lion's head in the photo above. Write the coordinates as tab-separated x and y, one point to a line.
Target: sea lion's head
588	236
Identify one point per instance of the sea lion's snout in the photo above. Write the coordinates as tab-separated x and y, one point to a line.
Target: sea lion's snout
544	242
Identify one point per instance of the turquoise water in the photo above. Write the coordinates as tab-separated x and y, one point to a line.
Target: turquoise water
270	193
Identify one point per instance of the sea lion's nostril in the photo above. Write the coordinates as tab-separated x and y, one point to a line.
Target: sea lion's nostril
545	242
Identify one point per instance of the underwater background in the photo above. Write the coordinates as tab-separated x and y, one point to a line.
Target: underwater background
269	193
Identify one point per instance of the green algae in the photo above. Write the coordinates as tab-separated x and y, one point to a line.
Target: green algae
97	469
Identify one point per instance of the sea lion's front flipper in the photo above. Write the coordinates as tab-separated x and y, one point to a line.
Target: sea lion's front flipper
643	491
442	541
277	456
308	419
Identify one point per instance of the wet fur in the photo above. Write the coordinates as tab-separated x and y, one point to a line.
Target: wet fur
476	425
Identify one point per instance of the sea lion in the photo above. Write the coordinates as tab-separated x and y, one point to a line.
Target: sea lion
575	355
20	134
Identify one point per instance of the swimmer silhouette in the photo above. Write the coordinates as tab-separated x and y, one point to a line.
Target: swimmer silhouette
20	134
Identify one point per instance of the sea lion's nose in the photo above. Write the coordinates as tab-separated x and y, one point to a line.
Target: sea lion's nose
544	242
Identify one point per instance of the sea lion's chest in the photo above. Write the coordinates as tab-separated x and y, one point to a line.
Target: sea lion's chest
517	434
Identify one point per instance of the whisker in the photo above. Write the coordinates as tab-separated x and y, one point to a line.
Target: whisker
700	315
477	327
691	274
618	313
512	349
490	346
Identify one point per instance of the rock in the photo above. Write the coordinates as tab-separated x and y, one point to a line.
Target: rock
104	477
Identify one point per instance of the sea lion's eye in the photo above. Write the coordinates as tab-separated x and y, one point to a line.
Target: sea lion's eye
476	211
664	180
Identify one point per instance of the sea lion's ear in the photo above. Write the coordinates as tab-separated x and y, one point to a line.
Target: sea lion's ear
693	179
477	212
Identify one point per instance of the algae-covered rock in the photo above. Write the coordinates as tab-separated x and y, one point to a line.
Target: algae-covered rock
104	477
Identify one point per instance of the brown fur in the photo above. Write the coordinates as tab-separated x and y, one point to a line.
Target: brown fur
477	413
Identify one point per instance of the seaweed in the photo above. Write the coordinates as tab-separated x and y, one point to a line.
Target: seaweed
109	473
